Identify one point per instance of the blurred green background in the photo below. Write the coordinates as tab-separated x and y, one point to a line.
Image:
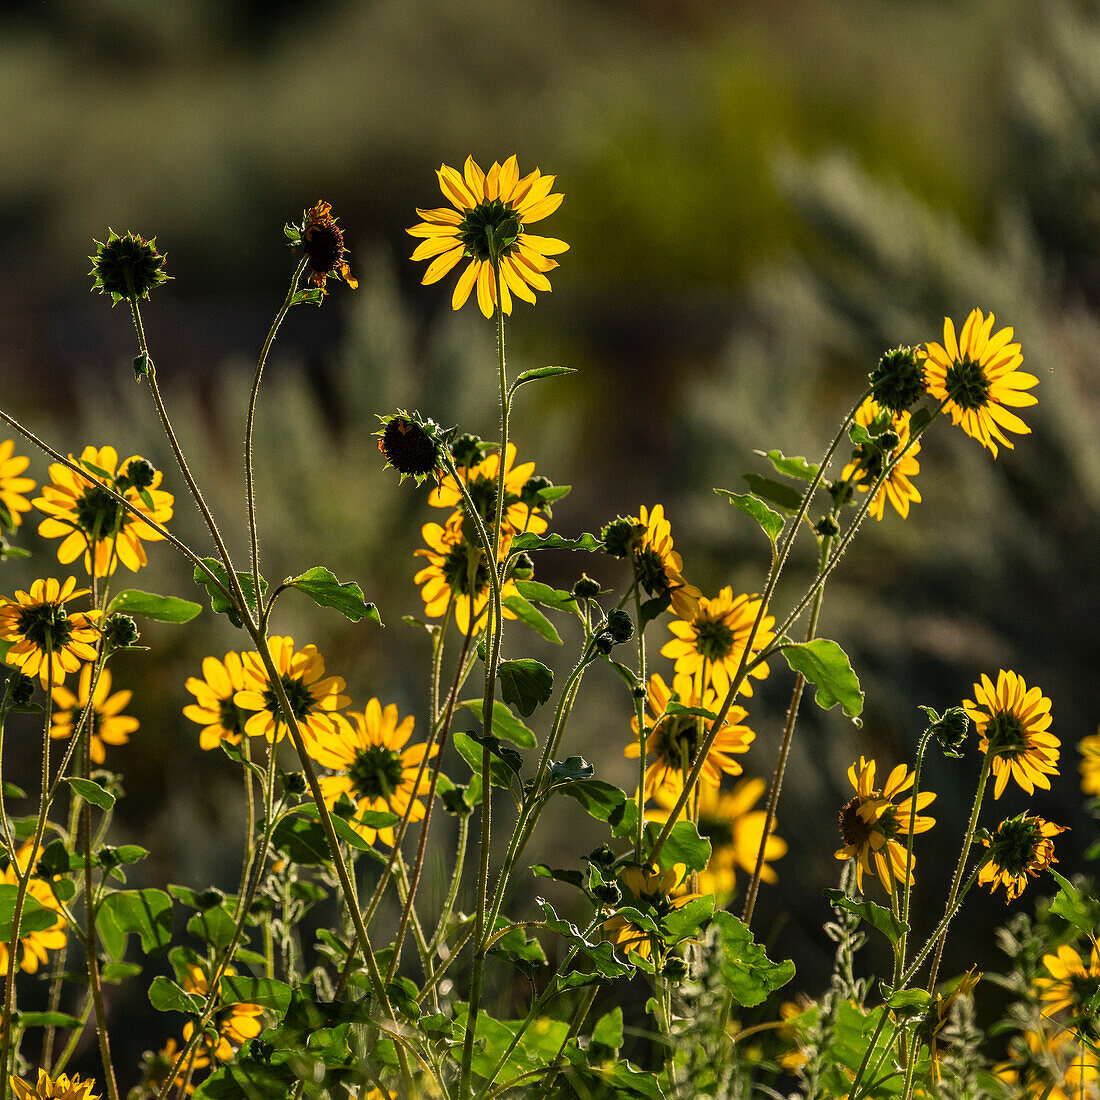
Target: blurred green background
760	198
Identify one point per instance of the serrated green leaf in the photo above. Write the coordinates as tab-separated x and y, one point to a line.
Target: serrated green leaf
747	972
571	770
219	602
525	683
875	915
770	522
91	792
321	586
164	609
537	592
796	467
501	774
145	912
526	540
860	436
505	723
686	920
785	497
1073	906
825	665
532	617
166	996
539	372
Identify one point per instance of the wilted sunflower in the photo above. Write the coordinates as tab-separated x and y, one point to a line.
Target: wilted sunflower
660	568
491	212
457	573
214	708
236	1023
979	376
1072	983
652	892
674	738
734	829
481	484
61	1087
94	524
1014	725
312	695
1020	846
109	726
34	946
709	645
322	241
867	465
12	486
376	771
47	641
1089	748
876	824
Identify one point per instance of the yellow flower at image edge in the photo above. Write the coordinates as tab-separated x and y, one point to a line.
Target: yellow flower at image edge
61	1087
1089	748
376	771
12	486
34	945
978	376
215	708
1020	846
490	213
312	695
111	726
1014	725
876	825
46	641
89	521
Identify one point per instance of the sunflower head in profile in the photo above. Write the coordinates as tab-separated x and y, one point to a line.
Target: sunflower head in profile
876	824
1014	725
322	240
412	445
978	377
869	460
1020	847
486	225
659	568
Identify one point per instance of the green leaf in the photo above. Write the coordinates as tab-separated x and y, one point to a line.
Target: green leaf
505	723
164	609
301	840
35	916
597	954
608	1031
215	926
526	540
875	915
747	972
49	1019
571	770
796	467
1073	906
771	522
605	802
238	989
91	792
532	617
501	772
322	587
218	600
684	845
559	874
539	372
826	666
685	921
147	912
785	497
12	791
910	1002
166	996
526	683
860	436
537	592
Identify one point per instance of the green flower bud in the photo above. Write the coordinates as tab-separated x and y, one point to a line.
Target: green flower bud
586	588
468	450
898	380
950	730
127	267
120	632
620	536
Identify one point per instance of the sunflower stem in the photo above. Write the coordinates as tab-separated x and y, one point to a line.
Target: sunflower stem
899	956
853	1090
936	938
639	715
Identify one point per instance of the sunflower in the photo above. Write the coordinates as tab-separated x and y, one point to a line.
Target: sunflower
1048	1065
214	708
1014	724
876	824
46	640
652	892
1089	748
93	523
322	241
674	739
109	727
660	568
481	484
457	571
312	695
734	829
867	464
491	212
61	1087
1020	846
34	945
1072	983
12	486
978	375
375	770
156	1067
710	644
236	1023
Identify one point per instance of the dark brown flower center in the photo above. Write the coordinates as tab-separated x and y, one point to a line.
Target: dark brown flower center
408	447
853	828
323	242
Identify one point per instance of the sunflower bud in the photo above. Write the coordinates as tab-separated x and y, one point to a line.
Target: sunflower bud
949	730
586	588
120	632
127	267
621	535
898	380
22	689
468	450
618	628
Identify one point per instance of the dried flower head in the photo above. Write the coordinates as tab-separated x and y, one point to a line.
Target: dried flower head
411	444
322	240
